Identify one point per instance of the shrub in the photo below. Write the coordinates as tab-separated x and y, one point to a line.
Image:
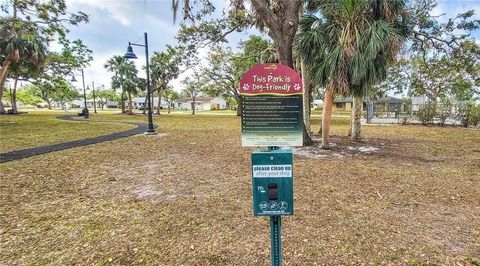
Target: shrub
475	118
443	112
405	118
426	113
464	114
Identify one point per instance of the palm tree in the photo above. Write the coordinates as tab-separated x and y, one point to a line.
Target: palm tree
165	66
17	41
114	65
129	82
346	48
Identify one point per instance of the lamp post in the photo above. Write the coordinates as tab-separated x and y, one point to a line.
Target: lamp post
85	109
93	92
131	55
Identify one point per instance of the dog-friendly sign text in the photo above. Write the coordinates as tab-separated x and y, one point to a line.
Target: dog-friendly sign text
271	102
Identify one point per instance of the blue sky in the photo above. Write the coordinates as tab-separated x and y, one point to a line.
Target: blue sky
113	23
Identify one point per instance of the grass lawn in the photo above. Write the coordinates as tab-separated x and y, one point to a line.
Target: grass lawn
43	128
407	195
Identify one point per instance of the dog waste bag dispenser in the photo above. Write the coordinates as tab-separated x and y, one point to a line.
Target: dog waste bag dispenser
272	182
272	117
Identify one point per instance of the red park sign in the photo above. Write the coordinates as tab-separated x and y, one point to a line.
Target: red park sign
271	79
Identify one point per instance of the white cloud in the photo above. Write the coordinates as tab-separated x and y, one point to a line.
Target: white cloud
118	10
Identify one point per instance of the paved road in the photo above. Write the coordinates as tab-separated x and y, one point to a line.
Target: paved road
20	154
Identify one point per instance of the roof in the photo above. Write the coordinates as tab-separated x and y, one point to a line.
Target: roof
197	99
343	100
141	100
386	99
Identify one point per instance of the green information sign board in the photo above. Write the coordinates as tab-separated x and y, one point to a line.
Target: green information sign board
271	102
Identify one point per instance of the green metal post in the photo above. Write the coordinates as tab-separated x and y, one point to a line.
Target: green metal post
276	238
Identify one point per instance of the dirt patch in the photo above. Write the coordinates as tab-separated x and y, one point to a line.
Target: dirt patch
340	147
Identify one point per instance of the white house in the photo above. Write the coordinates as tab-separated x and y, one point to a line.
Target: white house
201	103
317	104
418	101
138	102
81	103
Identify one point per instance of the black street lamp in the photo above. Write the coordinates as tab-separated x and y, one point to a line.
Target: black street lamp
131	55
85	109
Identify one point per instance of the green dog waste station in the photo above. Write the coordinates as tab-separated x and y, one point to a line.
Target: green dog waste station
272	117
272	182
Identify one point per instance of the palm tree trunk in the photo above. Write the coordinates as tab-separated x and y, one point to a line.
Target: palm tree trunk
130	109
3	78
327	116
122	102
145	105
239	104
306	98
159	101
14	96
357	115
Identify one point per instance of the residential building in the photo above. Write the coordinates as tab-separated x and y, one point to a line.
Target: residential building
201	103
138	103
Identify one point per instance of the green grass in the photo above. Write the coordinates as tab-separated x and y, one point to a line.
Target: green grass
43	128
183	197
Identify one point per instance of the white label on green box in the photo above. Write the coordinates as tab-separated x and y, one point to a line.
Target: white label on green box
275	170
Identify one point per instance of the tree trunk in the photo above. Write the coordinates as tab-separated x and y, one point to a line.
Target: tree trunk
327	116
14	96
238	98
2	109
3	78
306	97
145	104
159	101
193	105
130	107
169	104
285	54
307	132
357	115
122	102
352	117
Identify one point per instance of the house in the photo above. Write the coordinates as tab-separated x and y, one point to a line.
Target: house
387	104
342	104
317	104
201	103
81	103
418	101
111	104
138	102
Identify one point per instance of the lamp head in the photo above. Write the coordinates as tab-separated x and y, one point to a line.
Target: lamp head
73	79
130	54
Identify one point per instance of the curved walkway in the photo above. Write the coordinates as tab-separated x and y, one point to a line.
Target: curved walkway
20	154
